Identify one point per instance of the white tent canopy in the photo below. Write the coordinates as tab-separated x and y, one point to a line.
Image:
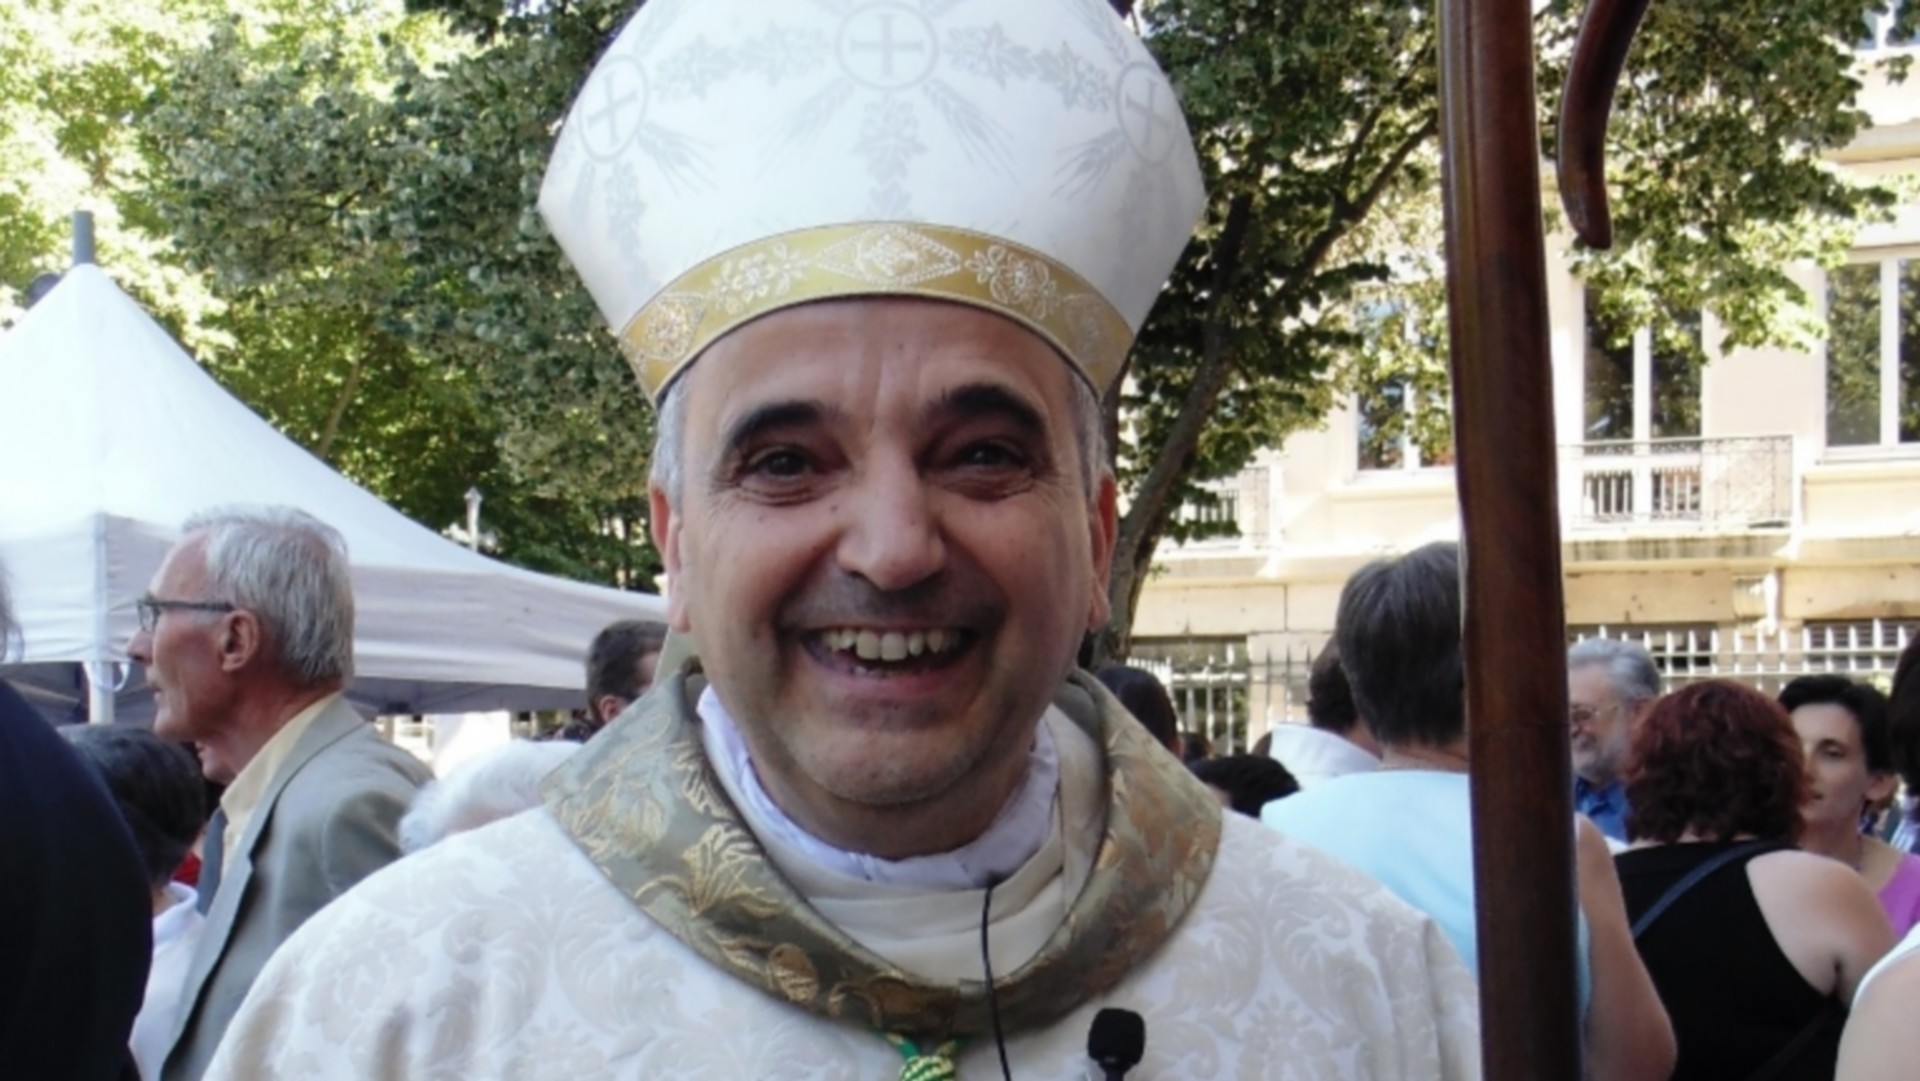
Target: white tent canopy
110	436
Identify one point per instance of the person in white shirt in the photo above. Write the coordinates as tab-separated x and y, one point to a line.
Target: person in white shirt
158	789
1335	741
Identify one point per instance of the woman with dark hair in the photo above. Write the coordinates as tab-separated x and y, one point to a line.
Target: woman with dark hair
1756	947
1843	731
1144	697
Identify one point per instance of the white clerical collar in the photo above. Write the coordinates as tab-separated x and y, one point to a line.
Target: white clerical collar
1018	832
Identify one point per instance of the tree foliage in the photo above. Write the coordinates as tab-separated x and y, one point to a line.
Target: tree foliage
1315	272
333	204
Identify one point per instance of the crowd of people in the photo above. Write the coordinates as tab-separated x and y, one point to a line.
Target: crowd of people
1753	895
858	813
1746	886
1743	862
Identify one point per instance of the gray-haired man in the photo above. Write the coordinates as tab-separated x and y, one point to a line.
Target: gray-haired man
247	637
1611	683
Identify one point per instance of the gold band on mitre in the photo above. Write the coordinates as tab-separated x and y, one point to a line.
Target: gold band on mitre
875	259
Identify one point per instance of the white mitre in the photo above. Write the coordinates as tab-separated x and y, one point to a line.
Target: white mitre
729	158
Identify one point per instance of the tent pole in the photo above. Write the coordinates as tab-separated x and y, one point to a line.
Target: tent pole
100	675
100	688
82	237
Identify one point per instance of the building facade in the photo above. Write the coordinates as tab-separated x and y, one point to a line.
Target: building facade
1757	517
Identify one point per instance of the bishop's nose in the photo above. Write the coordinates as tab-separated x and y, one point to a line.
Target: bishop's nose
892	534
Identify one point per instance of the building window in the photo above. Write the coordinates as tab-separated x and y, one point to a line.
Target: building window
1383	431
1642	385
1404	416
1873	354
1398	429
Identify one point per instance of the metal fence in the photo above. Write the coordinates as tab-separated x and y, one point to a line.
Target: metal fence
1220	690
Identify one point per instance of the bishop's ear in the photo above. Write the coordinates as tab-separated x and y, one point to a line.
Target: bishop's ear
1103	524
664	525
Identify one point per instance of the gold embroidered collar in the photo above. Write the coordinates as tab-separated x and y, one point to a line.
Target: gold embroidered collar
644	805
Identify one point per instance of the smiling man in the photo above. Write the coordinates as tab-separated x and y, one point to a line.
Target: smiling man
1611	685
874	263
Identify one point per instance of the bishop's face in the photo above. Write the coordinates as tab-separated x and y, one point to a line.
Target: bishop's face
885	551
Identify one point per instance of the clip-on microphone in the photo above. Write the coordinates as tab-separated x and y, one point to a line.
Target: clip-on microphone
1117	1041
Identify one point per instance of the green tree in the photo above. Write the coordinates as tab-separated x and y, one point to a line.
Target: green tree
1313	117
73	77
333	203
357	189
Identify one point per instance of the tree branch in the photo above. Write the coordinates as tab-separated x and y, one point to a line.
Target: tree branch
1349	212
1153	502
1146	515
323	448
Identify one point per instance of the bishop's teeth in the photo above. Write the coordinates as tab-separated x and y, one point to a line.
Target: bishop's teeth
890	645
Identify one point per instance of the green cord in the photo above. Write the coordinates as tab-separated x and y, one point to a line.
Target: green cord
937	1065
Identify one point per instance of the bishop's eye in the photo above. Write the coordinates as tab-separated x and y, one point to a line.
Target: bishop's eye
783	462
990	456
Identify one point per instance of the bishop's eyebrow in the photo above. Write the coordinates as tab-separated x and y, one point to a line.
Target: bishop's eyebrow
774	416
981	400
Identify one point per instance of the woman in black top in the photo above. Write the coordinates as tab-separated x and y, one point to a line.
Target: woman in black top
1755	947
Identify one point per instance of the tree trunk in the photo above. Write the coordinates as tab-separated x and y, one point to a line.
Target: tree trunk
1146	515
1150	507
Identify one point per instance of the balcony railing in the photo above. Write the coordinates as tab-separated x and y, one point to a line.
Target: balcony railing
1218	517
1738	482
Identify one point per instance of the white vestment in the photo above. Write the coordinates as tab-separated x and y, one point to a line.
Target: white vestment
506	953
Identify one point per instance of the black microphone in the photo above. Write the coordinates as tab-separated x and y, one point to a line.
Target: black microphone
1116	1041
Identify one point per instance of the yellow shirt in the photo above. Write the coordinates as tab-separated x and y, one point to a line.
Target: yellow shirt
243	795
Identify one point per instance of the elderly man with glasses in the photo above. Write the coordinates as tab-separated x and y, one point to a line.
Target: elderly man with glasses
1611	684
247	638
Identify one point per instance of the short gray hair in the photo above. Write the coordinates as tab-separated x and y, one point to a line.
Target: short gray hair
289	569
490	786
1398	631
1630	669
666	468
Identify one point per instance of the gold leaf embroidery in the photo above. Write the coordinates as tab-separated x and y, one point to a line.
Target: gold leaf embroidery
791	972
867	258
706	881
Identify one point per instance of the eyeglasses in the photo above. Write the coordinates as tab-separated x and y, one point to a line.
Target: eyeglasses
151	607
1584	716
